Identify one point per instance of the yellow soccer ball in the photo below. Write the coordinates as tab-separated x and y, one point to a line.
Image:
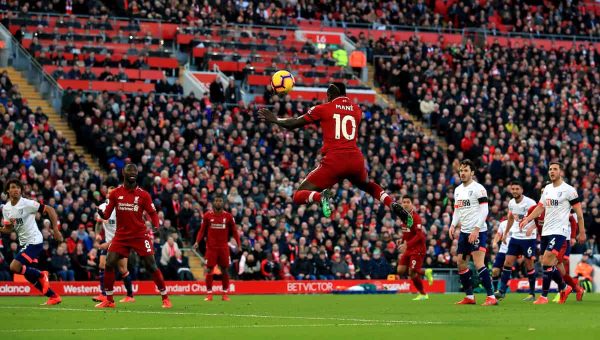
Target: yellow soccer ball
282	82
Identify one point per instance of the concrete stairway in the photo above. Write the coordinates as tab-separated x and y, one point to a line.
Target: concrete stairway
34	99
391	102
196	265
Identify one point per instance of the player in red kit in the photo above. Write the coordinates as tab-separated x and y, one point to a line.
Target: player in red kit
217	227
340	120
131	202
414	249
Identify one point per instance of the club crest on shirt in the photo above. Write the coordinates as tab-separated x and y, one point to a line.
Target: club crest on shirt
560	193
470	193
21	212
120	197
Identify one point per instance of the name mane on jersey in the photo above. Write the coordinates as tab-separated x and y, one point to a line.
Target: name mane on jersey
345	107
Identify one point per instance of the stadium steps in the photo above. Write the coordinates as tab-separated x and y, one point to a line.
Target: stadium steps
196	264
391	102
35	100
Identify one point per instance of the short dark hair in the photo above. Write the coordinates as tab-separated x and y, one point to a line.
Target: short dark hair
341	86
406	197
516	182
469	163
560	165
14	181
218	195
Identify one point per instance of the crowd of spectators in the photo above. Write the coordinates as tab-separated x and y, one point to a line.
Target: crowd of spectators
513	110
534	16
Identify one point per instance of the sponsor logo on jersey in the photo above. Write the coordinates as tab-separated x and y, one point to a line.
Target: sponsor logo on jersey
551	203
462	204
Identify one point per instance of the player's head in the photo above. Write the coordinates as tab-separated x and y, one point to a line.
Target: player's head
335	90
555	170
466	171
109	190
14	188
218	202
407	203
516	189
130	173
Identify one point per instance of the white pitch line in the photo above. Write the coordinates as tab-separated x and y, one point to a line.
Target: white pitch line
104	329
402	322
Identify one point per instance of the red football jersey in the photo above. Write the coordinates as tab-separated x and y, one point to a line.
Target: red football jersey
130	205
217	227
339	120
415	236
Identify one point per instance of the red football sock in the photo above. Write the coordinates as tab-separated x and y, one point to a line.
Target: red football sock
109	283
377	192
159	281
569	280
306	196
225	282
418	284
209	282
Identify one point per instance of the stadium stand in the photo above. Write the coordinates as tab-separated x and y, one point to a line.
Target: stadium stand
122	101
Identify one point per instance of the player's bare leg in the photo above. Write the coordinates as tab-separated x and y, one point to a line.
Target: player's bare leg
530	266
500	294
101	267
484	276
126	281
551	273
112	260
225	282
465	279
39	279
415	276
308	193
209	283
158	279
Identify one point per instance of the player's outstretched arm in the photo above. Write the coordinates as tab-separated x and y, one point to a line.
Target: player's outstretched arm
534	214
7	227
54	221
288	123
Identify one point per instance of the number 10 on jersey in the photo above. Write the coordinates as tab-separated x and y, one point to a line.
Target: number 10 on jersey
341	126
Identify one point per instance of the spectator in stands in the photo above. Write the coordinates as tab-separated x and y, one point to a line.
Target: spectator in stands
250	268
217	95
61	264
302	268
339	268
88	74
285	269
323	267
269	268
232	93
179	265
106	75
584	271
74	73
168	250
379	268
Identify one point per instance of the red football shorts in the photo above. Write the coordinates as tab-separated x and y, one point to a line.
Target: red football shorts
335	167
563	254
412	261
217	256
142	246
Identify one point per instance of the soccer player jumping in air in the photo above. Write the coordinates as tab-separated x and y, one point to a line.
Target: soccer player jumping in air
470	211
557	199
130	202
19	216
339	119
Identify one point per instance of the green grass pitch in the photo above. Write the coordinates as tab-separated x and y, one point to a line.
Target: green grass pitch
300	317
